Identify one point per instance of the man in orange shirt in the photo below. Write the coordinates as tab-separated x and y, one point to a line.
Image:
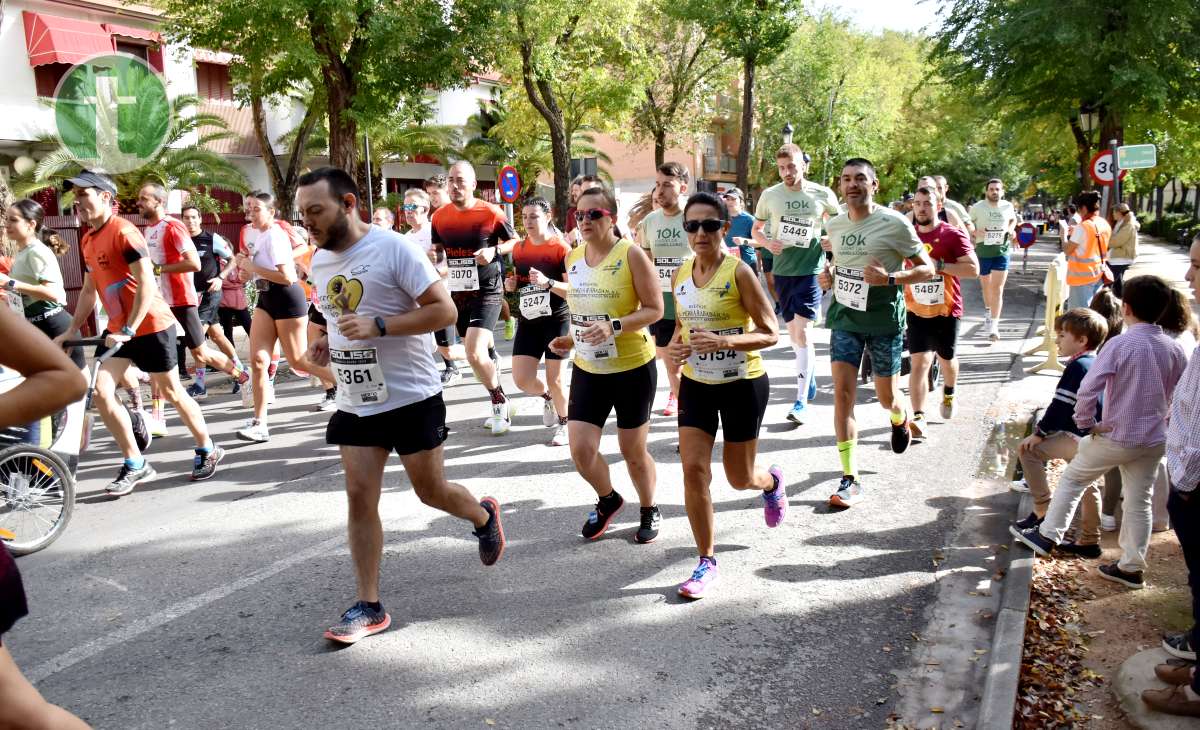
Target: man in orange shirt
120	271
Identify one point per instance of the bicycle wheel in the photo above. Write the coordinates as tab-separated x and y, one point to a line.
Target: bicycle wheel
37	497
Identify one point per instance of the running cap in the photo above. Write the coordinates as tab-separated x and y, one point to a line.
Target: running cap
89	179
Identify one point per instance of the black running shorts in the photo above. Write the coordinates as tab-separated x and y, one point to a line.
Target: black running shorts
419	426
933	334
193	329
534	336
738	405
152	353
283	302
663	330
481	311
631	393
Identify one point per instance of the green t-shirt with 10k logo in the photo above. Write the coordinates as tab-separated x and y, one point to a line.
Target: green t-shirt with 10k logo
795	218
890	239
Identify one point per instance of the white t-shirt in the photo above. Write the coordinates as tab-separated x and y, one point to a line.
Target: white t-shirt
271	247
423	237
381	275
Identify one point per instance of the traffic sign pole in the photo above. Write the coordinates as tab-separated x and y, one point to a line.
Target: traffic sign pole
1116	186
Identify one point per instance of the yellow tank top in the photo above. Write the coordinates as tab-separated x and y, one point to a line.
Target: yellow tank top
605	292
716	307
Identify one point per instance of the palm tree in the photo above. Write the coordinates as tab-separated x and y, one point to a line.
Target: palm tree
176	166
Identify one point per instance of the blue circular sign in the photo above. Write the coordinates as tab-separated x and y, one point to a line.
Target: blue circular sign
510	184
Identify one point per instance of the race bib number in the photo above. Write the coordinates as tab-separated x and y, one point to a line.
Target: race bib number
603	351
535	302
667	266
720	366
14	303
359	377
929	293
850	288
993	238
464	274
796	231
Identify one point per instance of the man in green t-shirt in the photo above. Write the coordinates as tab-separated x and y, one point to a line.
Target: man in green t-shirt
870	246
661	234
995	220
794	212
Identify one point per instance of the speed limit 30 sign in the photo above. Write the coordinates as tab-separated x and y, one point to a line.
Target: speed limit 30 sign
1102	168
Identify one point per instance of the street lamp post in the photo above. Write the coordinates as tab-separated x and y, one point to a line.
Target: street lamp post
787	133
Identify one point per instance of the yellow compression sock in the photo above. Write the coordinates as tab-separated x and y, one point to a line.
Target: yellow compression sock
846	454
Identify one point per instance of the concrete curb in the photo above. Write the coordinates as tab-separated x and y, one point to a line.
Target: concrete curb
999	701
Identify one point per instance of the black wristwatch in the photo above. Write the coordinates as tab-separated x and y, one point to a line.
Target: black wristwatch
616	326
382	326
10	285
891	280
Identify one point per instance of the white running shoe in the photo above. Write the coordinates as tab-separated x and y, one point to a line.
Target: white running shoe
501	421
157	426
1108	523
254	430
560	436
549	414
994	332
987	323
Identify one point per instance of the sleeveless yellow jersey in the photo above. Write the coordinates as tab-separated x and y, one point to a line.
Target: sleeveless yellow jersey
605	292
716	307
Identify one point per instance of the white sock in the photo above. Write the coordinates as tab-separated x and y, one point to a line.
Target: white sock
810	350
802	371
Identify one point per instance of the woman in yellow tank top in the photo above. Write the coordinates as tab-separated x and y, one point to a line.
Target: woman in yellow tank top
723	318
613	295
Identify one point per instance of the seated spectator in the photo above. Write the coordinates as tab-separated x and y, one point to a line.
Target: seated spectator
1078	332
1136	375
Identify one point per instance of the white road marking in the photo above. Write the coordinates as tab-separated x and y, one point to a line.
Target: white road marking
107	582
96	646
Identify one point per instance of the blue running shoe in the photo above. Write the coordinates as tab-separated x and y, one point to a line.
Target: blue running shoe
796	415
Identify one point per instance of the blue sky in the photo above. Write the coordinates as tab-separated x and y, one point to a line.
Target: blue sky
877	15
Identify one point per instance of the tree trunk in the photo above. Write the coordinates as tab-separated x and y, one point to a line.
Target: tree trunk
1196	202
343	129
1158	203
283	182
541	96
660	151
743	160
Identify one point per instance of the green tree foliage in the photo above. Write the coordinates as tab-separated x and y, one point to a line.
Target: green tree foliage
755	32
576	68
1047	58
365	55
680	98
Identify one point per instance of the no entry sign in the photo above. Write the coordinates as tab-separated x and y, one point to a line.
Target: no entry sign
1026	235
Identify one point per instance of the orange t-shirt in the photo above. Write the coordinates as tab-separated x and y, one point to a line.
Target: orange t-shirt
108	252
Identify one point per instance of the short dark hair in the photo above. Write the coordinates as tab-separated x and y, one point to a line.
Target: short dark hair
267	199
933	194
1147	296
675	170
1085	323
191	206
610	200
438	181
861	162
996	180
1071	208
339	181
1089	199
705	198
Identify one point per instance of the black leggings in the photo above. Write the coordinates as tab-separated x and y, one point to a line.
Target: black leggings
55	325
229	317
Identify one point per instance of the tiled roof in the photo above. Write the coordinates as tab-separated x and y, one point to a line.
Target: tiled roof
240	122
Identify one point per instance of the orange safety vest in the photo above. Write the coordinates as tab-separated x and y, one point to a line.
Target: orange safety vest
1086	266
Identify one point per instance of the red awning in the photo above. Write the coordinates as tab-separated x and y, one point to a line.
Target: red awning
140	34
53	39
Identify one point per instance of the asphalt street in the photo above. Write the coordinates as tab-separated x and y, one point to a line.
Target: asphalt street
201	605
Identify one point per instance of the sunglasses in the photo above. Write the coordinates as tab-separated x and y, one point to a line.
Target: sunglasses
410	207
593	214
710	225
